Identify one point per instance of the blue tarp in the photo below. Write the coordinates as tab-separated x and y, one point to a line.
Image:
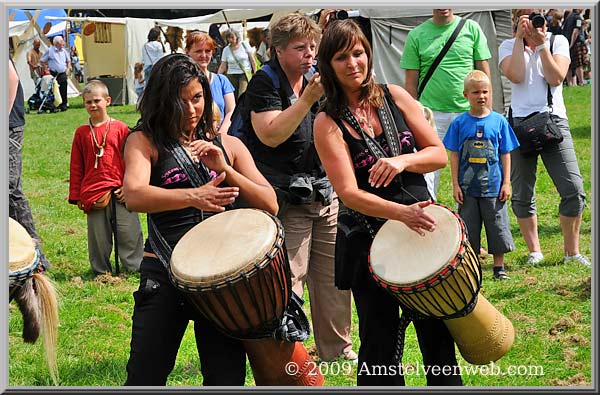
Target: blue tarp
41	19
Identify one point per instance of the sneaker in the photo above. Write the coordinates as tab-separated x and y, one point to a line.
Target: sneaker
579	259
535	257
501	275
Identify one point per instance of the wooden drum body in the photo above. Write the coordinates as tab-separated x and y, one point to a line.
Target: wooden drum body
235	270
438	275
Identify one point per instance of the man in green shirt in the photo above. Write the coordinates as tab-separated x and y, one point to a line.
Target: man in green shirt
443	92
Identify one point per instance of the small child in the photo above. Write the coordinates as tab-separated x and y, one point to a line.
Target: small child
480	141
138	75
217	116
96	177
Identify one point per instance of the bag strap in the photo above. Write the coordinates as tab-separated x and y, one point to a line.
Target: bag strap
441	55
198	175
237	60
548	94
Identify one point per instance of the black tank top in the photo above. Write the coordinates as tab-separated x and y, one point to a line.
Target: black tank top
413	183
173	224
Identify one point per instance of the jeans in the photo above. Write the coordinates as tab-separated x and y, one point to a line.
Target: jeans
18	204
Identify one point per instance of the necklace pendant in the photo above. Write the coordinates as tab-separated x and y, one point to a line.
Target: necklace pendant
100	153
96	162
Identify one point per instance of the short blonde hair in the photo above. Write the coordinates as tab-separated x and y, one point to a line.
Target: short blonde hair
428	113
95	86
475	76
217	116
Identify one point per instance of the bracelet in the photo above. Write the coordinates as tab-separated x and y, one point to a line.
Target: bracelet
538	48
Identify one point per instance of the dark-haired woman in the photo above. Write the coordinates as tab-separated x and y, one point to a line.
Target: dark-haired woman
152	51
356	110
176	112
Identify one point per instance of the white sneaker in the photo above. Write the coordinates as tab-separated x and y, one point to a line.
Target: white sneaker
535	257
579	259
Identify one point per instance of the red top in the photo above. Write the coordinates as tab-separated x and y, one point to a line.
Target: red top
87	183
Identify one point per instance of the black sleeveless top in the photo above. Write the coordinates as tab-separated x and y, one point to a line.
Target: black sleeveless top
173	224
413	187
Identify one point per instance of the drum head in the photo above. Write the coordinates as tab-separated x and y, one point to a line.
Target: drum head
402	257
222	246
21	248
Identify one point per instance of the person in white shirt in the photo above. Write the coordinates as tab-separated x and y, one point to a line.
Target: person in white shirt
237	62
531	66
152	50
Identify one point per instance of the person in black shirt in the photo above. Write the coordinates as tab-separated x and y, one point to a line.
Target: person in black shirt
18	204
355	110
281	141
176	107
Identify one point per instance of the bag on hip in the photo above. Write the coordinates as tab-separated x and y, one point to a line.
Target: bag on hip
102	202
536	132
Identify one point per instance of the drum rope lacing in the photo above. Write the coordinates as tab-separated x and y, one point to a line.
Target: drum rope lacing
16	280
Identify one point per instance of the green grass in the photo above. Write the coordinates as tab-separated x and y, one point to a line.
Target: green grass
549	304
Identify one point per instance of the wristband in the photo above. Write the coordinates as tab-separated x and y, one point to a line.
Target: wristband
538	48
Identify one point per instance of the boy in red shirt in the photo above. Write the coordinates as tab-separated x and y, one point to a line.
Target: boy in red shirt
97	169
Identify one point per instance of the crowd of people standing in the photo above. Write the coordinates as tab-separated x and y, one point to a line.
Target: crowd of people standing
307	158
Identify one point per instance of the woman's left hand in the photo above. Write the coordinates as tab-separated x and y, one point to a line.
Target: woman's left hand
385	170
211	155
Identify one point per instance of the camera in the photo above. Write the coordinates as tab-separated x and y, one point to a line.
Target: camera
343	14
537	20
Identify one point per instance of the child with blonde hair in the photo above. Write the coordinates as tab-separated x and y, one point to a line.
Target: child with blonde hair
96	178
480	141
138	75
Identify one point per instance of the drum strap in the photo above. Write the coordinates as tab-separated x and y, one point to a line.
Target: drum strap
405	321
198	174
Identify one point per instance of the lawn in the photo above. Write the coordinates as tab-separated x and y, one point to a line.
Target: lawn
548	304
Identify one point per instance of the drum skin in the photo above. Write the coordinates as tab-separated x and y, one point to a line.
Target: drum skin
437	275
442	279
234	268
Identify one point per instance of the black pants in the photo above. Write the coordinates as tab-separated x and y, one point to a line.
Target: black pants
61	78
378	321
160	318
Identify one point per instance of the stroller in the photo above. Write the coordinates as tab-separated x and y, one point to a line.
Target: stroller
43	98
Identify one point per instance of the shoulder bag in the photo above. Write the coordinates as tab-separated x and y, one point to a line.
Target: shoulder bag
537	131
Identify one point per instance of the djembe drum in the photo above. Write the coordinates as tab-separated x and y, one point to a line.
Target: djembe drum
34	293
438	275
235	270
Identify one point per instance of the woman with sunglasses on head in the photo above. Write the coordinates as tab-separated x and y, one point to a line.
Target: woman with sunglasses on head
200	46
358	111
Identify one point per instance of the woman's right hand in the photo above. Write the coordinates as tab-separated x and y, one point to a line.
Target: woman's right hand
314	90
211	197
417	219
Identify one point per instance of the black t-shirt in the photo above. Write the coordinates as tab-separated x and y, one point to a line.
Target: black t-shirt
297	153
17	112
574	20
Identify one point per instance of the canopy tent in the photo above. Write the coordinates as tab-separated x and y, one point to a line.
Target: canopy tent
22	33
112	50
390	27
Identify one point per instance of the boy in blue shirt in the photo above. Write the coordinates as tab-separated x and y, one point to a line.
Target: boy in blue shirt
480	141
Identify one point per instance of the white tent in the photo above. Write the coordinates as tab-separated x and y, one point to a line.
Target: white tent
390	27
22	34
113	57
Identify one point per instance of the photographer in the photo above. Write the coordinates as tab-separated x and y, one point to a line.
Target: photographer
529	63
